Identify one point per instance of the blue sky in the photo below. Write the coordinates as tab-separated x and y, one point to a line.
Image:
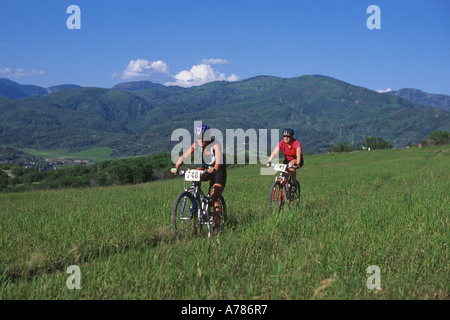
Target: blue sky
192	42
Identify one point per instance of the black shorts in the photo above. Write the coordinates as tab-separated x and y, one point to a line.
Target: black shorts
220	176
286	161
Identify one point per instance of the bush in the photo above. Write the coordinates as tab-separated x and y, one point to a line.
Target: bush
342	147
376	143
33	176
3	180
18	171
437	138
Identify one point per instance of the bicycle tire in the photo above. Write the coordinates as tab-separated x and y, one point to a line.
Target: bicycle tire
276	197
184	222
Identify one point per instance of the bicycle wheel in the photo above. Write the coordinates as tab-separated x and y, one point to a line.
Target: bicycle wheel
184	214
277	197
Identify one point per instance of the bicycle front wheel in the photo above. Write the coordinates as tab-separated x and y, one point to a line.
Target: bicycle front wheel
184	214
277	197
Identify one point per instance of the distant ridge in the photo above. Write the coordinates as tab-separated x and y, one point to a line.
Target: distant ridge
54	89
136	85
11	89
14	90
428	99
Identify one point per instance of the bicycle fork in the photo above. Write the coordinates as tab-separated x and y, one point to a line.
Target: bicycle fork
203	218
191	210
283	192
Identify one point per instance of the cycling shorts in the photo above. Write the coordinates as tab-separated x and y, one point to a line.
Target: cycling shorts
286	161
220	176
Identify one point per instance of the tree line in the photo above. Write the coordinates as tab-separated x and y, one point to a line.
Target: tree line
371	143
104	173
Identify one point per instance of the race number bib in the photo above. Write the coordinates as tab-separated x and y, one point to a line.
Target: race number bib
192	175
280	167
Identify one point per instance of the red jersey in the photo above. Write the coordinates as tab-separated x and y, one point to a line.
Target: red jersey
290	153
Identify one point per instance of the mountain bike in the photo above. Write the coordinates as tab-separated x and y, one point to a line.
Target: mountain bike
192	211
283	190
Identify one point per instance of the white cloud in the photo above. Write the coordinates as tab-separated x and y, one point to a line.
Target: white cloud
215	61
157	71
20	73
198	75
384	91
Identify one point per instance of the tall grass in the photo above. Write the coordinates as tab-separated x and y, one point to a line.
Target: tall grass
385	208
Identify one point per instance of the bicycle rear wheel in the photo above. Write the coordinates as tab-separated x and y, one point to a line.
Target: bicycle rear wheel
277	197
184	214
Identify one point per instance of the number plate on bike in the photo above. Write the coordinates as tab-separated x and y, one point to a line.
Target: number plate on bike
280	167
192	175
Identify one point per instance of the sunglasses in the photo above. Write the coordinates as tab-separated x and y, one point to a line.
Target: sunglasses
287	136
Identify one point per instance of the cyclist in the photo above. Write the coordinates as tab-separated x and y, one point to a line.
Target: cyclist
292	149
213	162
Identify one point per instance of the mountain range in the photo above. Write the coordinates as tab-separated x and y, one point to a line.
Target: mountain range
137	118
11	89
432	100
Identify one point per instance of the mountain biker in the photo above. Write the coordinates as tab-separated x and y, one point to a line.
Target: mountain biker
292	149
213	162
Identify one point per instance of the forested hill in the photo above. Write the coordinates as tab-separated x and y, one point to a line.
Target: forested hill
135	121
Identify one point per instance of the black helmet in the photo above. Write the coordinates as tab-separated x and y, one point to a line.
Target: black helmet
288	132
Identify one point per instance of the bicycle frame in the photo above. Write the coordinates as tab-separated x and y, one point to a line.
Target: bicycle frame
201	201
284	177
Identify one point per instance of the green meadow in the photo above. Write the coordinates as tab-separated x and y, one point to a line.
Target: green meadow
385	208
95	154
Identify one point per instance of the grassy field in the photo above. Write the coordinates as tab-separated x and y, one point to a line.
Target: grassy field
95	154
385	208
